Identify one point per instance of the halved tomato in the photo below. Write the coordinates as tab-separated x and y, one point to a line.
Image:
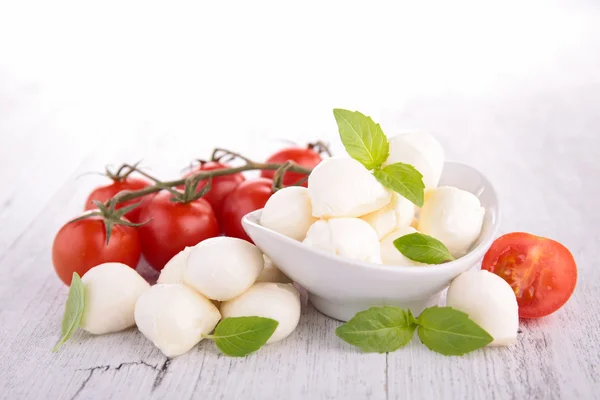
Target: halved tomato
541	271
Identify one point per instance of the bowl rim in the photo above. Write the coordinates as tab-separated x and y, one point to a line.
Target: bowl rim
472	257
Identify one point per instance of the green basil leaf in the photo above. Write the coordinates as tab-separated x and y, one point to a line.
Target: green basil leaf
423	248
240	336
379	329
403	179
450	332
73	310
362	137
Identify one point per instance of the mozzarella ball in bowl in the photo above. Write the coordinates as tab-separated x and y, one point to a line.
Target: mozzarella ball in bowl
400	212
489	301
343	187
452	216
277	301
390	255
346	237
174	317
111	291
422	151
288	212
173	270
222	268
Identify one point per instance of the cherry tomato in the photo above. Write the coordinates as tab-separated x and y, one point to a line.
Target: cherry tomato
250	195
221	185
542	272
81	245
174	226
303	156
105	193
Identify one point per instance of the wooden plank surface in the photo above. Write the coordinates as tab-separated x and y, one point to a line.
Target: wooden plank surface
557	357
534	132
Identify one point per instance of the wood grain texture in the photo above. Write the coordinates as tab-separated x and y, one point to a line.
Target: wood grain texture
540	146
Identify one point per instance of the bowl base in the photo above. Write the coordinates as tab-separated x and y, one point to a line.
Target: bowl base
345	311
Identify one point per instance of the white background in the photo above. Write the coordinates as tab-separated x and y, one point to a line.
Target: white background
510	87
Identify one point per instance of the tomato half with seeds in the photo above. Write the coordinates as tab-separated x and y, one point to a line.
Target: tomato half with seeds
541	271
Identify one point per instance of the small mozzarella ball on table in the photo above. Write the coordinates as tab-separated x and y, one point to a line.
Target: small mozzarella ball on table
343	187
489	301
390	255
288	212
173	270
271	273
422	151
174	317
111	290
452	216
278	301
222	268
400	212
346	237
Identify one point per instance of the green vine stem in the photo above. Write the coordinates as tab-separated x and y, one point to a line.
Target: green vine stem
320	147
201	175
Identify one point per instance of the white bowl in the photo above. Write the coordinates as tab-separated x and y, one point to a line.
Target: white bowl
341	287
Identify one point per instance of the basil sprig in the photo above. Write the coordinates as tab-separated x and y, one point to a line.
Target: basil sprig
442	329
365	141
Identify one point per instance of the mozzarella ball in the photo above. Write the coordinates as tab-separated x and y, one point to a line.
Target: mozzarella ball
343	187
390	254
452	216
400	212
271	273
174	317
278	301
173	270
288	212
422	151
346	237
111	290
489	301
222	268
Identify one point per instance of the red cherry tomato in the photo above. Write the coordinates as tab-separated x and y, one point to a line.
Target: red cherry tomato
250	195
221	185
303	156
542	272
174	226
81	245
105	193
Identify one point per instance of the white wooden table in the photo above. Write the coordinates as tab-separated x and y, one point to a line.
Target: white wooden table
532	125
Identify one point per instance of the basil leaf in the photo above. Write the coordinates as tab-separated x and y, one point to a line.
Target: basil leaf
379	329
403	179
362	137
240	336
73	310
450	332
423	248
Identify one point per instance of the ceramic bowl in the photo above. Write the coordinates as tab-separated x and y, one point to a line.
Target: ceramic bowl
340	287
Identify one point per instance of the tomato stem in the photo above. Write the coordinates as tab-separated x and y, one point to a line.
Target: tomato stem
320	147
201	175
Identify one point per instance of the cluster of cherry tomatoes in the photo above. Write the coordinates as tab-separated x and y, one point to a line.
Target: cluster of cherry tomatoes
168	226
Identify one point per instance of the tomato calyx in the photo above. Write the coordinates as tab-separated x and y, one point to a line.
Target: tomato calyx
111	216
122	173
189	193
280	173
221	155
320	147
